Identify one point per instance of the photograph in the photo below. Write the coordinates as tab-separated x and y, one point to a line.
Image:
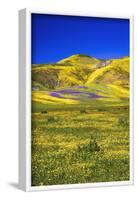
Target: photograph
80	99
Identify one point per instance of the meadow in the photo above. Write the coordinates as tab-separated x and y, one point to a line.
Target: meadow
80	127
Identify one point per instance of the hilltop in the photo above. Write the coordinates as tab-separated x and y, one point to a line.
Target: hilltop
79	59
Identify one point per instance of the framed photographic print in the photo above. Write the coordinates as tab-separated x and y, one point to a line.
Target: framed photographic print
76	100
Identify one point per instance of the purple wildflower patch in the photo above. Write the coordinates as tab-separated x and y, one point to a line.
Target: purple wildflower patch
75	94
55	94
94	96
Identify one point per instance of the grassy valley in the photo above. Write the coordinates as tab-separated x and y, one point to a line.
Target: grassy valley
80	121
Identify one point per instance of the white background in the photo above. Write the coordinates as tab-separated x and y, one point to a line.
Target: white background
9	97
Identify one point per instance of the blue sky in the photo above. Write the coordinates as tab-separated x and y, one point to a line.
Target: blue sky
55	37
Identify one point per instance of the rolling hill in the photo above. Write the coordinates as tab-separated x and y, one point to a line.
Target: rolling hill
71	71
83	78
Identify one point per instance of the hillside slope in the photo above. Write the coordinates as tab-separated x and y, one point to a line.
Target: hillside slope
71	71
84	75
117	73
